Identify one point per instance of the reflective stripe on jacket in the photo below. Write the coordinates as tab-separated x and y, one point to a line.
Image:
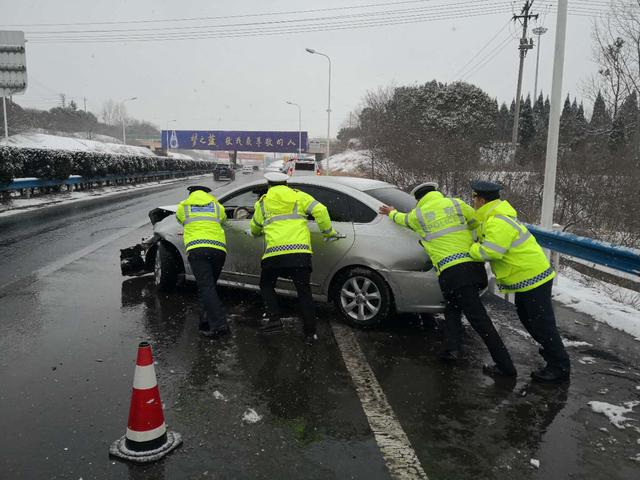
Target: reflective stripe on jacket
281	215
445	227
516	259
202	217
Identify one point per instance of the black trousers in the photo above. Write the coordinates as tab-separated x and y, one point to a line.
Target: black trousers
536	314
301	277
206	265
463	297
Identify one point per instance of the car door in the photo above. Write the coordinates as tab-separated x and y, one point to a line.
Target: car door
244	252
326	255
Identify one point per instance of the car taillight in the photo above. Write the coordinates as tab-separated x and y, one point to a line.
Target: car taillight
318	171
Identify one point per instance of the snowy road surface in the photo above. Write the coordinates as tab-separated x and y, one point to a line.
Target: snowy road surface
360	404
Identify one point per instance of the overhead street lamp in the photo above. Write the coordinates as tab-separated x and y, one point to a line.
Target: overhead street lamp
167	132
312	51
299	127
539	31
124	136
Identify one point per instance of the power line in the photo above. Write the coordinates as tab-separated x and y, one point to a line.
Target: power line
270	31
475	56
487	58
458	6
224	17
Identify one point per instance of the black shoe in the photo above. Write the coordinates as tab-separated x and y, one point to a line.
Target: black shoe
496	371
449	355
270	326
550	375
311	339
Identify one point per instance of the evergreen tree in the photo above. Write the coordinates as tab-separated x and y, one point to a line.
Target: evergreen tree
504	120
600	118
526	126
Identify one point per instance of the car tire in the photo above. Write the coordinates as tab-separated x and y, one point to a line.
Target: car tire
362	297
165	269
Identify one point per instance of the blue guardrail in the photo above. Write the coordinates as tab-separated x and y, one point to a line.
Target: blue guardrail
602	253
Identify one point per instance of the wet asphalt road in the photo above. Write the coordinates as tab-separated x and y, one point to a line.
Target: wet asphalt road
68	343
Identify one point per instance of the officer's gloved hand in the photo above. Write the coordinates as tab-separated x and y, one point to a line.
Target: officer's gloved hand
333	236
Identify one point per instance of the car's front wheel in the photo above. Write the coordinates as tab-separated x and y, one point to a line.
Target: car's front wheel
363	297
165	268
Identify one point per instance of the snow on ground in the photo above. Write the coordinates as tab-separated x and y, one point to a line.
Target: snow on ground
348	161
251	416
615	413
20	205
54	142
616	306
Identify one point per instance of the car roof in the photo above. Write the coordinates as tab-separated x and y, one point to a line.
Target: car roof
361	184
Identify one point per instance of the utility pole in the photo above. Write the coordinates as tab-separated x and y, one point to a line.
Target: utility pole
539	31
84	99
551	162
525	44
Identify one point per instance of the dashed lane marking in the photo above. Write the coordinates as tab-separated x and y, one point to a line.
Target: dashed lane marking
11	287
397	452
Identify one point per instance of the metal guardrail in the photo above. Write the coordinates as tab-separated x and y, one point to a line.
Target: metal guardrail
601	253
24	183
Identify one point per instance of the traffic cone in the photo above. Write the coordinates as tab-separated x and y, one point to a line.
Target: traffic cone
147	438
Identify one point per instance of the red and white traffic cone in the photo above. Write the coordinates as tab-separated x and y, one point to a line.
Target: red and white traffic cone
147	438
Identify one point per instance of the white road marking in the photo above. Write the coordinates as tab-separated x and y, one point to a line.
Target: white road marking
64	261
398	454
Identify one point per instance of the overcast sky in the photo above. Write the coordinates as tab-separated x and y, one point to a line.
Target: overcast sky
243	83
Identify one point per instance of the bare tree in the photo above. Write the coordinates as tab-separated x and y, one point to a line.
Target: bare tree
617	53
112	112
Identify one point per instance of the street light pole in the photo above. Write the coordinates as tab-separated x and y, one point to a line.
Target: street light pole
312	51
299	127
549	191
539	31
124	136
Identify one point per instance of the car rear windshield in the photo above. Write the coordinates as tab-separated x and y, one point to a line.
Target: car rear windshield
305	166
394	197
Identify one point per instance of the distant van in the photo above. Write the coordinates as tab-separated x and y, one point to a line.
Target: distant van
299	167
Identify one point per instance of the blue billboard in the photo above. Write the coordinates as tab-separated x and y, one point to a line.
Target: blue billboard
284	142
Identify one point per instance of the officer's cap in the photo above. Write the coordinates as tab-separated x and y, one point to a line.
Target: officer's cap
194	188
276	177
484	186
424	188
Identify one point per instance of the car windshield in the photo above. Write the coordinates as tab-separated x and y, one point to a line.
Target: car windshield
394	197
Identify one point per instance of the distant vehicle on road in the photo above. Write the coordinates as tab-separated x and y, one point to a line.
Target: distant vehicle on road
300	167
247	170
256	168
223	172
377	269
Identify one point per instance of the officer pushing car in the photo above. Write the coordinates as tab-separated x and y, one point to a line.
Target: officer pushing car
445	226
281	216
521	267
205	243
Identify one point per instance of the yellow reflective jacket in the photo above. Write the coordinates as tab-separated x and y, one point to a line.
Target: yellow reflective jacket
445	226
202	217
516	259
281	215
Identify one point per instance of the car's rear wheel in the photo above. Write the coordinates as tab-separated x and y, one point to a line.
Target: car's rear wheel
363	297
165	268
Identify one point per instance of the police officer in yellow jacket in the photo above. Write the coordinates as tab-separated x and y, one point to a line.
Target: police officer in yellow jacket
281	216
445	226
204	240
521	267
